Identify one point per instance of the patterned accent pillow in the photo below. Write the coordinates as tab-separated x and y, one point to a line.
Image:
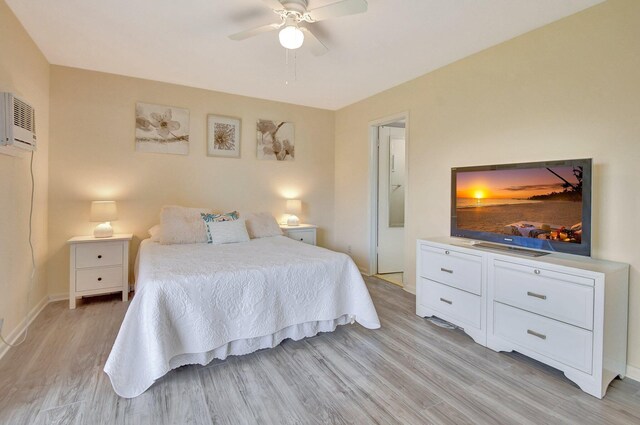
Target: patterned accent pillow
217	218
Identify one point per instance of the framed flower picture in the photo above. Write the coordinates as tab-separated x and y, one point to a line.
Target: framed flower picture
162	129
223	136
275	140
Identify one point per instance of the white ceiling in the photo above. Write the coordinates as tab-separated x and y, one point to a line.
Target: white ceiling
185	42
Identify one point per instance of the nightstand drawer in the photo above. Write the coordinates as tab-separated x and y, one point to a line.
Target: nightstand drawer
99	254
306	236
103	277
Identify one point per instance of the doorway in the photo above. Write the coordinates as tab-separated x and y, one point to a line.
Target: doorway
390	171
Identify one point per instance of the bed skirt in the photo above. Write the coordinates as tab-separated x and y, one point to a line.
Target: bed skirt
241	347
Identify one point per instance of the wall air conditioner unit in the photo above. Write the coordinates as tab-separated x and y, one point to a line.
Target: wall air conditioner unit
17	122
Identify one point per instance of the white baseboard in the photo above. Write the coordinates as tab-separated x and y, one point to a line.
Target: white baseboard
58	297
17	332
633	373
409	289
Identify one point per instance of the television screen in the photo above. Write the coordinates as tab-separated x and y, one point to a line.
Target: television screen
543	205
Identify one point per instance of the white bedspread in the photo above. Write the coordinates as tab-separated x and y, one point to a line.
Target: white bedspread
197	302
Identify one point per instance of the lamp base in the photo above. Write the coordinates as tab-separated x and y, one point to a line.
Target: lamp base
103	230
293	221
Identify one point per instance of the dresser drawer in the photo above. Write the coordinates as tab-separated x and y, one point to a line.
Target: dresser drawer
458	306
560	296
453	268
99	254
98	278
564	343
306	236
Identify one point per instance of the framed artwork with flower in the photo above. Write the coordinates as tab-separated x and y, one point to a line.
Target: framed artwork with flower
275	140
223	136
162	129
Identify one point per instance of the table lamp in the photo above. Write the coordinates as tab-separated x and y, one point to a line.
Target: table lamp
294	207
104	212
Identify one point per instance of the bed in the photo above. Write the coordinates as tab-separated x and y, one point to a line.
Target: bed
198	302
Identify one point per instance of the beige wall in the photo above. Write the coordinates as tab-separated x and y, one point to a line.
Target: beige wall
93	157
568	90
24	71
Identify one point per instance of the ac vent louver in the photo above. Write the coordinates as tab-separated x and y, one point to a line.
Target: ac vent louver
24	115
17	123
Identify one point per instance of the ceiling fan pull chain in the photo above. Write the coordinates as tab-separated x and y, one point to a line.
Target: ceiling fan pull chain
286	62
291	66
295	66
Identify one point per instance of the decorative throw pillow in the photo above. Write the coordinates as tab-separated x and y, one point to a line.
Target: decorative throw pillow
222	232
217	218
262	225
180	225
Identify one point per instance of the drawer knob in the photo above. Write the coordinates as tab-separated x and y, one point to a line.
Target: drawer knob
533	294
99	256
447	252
301	239
446	301
446	270
536	271
99	279
536	334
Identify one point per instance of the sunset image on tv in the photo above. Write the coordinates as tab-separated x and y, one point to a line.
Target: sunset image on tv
543	203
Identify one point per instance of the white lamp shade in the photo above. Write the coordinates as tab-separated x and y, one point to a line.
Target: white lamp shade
291	37
294	206
102	211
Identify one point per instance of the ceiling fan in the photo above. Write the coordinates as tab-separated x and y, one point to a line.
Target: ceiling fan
293	12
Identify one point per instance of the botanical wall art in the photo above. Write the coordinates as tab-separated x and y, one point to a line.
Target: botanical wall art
223	136
275	140
162	129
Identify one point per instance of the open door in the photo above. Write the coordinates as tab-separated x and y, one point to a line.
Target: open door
391	193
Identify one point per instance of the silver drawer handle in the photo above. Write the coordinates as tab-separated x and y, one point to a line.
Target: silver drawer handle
533	294
445	270
446	301
537	334
536	271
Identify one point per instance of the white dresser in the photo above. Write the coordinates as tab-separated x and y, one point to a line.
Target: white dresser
566	311
98	266
304	232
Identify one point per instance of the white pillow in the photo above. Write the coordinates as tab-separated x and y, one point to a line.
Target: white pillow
182	225
154	232
261	225
222	232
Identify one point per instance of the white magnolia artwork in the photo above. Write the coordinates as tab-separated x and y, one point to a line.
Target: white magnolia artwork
162	129
223	136
275	140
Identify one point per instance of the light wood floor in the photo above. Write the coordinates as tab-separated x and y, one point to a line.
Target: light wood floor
408	372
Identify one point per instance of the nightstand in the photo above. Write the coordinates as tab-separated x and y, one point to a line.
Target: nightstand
304	233
98	266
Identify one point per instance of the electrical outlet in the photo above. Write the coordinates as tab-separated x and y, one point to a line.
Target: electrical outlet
349	249
1	323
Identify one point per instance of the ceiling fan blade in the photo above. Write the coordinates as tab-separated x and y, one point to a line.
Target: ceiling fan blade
341	8
315	45
274	4
242	35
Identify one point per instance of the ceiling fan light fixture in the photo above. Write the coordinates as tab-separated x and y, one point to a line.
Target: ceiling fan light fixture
291	37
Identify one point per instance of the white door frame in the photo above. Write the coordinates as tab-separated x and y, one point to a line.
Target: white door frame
373	181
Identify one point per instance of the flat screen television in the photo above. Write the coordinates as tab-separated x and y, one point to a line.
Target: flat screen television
537	205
